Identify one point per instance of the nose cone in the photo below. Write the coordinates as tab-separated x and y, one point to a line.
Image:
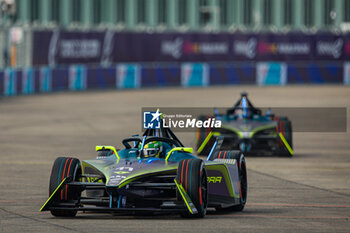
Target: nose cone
135	169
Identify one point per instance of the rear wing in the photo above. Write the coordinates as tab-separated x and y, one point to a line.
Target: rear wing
208	143
216	147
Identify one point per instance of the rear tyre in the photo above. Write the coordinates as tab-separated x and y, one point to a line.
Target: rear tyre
242	172
193	176
243	182
64	167
226	154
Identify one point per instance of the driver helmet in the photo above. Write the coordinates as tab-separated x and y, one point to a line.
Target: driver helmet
152	149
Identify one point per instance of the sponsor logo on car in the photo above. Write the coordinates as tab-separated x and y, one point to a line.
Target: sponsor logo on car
214	179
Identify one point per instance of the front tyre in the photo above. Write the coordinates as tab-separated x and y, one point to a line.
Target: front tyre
64	167
193	176
243	182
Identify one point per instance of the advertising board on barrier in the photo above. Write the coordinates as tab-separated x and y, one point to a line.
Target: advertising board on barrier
271	73
104	47
346	56
194	74
28	81
245	47
347	73
128	76
45	79
330	49
10	82
277	47
181	47
77	78
72	47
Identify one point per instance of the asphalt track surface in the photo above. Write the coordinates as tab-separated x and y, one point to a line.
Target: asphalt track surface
307	193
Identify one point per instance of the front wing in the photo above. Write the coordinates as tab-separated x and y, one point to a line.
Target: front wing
223	191
106	204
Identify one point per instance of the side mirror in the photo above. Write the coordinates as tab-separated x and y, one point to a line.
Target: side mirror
107	150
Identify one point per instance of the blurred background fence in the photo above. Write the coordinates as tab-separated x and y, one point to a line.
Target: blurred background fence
84	44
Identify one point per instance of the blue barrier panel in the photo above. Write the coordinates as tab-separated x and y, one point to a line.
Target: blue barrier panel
315	73
19	81
10	82
160	76
194	74
347	72
60	79
271	73
36	73
77	78
28	81
101	77
1	83
221	74
128	76
45	79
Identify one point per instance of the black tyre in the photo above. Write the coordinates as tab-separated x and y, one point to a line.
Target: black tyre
64	167
243	182
193	177
226	154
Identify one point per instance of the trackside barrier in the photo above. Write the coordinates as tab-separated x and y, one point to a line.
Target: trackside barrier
45	79
2	83
194	74
160	75
77	78
101	77
10	82
232	74
315	73
60	79
271	73
347	73
129	76
28	81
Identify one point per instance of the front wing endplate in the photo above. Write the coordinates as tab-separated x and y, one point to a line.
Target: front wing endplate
186	198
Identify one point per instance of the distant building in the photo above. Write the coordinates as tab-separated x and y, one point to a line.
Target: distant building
182	14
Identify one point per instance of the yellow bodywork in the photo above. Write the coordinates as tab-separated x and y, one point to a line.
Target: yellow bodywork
182	149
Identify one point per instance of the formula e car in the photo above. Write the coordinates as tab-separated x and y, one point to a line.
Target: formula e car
245	128
154	173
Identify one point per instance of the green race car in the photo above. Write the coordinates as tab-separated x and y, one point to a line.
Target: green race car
245	128
153	173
